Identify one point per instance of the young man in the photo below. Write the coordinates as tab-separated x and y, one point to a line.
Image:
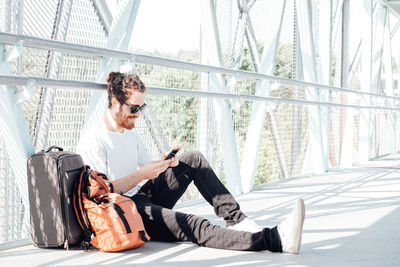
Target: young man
118	152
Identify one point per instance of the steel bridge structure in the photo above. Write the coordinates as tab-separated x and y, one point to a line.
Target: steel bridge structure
279	89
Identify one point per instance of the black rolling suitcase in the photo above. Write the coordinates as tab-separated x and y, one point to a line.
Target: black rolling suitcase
51	178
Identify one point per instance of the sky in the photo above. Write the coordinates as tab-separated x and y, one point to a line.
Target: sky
167	26
173	25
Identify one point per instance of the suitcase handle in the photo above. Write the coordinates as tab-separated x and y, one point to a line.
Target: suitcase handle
54	147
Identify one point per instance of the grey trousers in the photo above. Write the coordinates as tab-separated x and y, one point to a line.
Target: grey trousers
157	197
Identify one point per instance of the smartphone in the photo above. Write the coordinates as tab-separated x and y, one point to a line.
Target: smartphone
172	153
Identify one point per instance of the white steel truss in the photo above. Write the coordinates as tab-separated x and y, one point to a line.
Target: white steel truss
336	105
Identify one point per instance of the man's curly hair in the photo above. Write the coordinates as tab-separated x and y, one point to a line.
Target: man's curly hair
120	86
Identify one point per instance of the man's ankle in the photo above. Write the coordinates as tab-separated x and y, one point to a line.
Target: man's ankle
246	225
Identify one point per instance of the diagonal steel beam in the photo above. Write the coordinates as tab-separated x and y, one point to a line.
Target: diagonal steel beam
47	95
212	54
104	14
376	68
263	64
118	39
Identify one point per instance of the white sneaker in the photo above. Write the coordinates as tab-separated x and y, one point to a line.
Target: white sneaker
290	230
246	225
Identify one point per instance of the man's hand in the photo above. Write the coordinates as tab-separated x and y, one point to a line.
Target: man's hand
152	169
174	160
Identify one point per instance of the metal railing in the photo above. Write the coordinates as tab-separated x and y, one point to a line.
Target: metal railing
281	101
71	84
82	50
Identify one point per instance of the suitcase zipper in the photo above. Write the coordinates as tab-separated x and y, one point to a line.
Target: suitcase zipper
60	184
65	217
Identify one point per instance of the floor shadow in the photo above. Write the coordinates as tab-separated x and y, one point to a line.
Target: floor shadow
352	219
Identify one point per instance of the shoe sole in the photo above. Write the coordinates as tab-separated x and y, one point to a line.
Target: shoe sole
301	215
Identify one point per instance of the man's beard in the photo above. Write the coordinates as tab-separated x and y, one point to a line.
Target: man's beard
124	121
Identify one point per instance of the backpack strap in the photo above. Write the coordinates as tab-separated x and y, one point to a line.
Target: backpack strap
102	180
143	236
119	211
79	207
107	181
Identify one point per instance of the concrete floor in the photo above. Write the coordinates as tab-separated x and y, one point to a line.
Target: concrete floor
352	219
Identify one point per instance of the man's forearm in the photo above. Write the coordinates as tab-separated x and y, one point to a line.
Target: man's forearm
127	183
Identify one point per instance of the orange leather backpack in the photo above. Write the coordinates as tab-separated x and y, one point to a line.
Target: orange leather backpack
110	221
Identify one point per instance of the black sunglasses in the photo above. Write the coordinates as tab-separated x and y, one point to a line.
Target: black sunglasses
135	108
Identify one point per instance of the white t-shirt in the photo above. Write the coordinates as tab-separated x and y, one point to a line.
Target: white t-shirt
114	154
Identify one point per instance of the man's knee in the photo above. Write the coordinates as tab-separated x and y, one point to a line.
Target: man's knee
195	154
193	158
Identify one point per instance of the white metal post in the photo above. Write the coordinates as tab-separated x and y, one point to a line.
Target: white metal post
396	118
346	152
387	59
203	112
15	132
297	115
324	71
366	58
376	68
318	152
211	54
